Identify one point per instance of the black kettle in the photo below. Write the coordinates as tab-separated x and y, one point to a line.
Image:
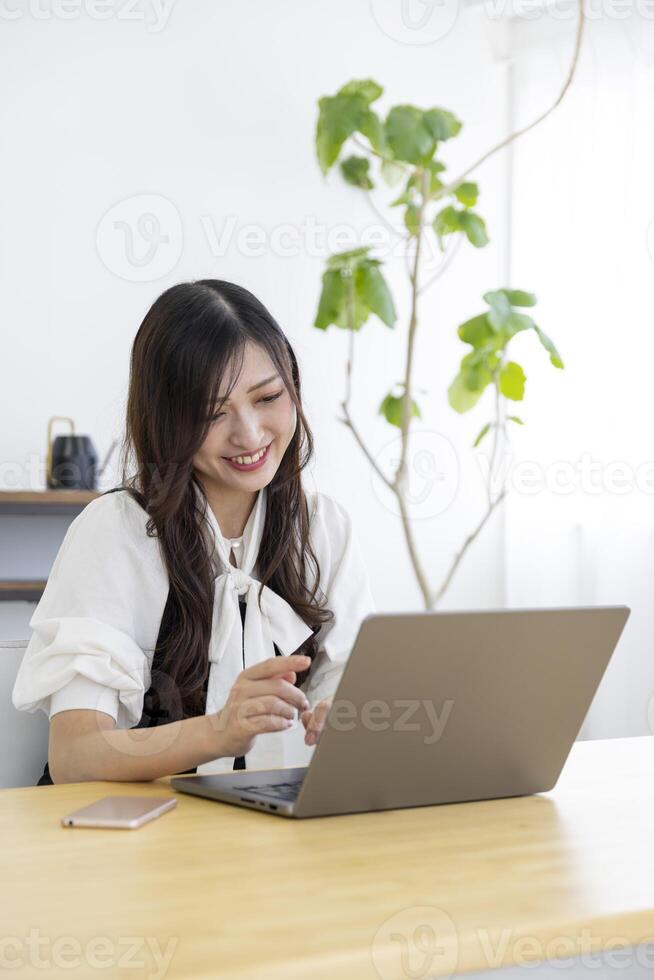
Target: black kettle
72	459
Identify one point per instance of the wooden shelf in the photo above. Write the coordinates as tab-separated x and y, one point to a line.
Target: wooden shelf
42	502
21	591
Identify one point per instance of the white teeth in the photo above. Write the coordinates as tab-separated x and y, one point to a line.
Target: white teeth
248	459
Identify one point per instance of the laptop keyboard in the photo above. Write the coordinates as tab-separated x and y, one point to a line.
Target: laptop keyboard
280	791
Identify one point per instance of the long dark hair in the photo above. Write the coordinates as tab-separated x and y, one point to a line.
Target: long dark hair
191	336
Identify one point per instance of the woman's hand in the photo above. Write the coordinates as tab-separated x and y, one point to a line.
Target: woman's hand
314	719
262	699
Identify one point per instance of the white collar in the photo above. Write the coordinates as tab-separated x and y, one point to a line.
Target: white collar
252	533
233	645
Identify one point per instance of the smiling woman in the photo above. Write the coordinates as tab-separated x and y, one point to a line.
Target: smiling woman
251	428
209	599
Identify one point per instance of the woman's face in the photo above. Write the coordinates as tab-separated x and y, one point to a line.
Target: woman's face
259	416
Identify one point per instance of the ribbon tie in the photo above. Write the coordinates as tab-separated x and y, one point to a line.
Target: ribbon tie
274	623
269	621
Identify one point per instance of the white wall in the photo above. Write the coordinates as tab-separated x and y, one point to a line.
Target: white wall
583	213
216	113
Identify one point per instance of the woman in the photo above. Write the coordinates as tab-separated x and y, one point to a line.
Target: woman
194	614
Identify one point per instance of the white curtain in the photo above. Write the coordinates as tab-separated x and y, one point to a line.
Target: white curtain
580	520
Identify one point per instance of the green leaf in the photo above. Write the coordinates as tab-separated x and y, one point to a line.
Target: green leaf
407	135
485	429
467	193
355	171
514	418
555	357
516	323
391	172
477	369
371	287
474	227
367	88
347	260
461	398
512	381
441	123
373	129
500	308
435	183
476	331
341	115
517	297
332	299
446	222
391	409
451	220
411	216
354	311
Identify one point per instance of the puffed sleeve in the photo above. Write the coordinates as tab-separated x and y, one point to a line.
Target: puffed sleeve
344	579
95	626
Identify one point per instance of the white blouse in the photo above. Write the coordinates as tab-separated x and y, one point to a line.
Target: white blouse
96	625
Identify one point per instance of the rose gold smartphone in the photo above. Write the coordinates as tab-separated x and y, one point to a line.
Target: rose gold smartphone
122	812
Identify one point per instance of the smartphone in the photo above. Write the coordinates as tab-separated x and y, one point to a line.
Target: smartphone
122	812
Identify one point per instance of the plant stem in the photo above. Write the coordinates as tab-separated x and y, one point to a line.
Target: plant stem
348	421
468	541
413	551
448	188
496	430
398	484
400	476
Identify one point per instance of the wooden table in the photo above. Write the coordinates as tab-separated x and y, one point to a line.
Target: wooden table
211	890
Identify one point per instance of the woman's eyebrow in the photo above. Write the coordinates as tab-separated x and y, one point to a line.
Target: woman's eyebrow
259	384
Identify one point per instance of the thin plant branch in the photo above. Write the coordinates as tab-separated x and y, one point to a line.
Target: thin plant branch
448	188
382	217
435	599
376	153
445	264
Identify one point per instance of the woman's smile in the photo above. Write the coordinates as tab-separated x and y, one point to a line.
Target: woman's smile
249	461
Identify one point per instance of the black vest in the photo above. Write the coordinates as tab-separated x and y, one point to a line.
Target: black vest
154	710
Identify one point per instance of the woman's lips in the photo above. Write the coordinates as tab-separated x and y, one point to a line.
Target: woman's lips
248	466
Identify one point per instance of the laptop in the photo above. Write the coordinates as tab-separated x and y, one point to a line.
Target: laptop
441	707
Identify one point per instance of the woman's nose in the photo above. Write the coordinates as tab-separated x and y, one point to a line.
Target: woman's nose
246	433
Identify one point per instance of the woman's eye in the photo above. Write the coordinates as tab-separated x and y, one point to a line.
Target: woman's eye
267	398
